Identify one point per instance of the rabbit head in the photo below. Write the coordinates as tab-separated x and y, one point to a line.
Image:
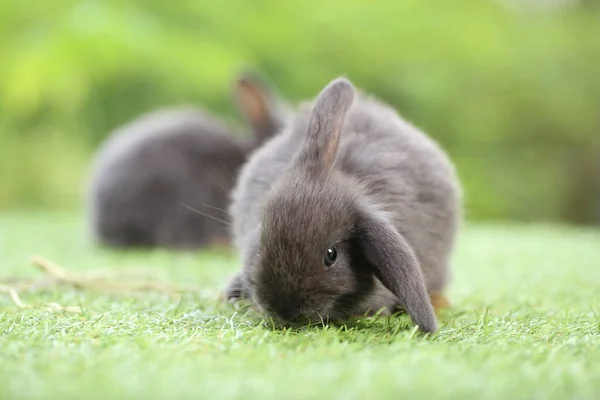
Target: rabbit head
322	241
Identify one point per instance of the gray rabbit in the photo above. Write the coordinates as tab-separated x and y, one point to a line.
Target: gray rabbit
164	179
349	210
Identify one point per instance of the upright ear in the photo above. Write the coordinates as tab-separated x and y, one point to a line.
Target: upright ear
326	123
260	105
396	266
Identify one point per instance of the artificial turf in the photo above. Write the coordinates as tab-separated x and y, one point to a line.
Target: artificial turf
524	324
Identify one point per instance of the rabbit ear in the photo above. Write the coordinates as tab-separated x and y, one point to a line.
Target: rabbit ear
396	266
259	104
326	123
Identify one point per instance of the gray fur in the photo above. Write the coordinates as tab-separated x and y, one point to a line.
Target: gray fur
391	202
151	174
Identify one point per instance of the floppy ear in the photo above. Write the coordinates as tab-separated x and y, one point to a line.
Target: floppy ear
259	105
326	123
396	266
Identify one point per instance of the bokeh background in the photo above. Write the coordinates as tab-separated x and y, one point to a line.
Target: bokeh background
510	88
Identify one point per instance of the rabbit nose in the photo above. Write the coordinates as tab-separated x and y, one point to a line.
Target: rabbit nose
287	309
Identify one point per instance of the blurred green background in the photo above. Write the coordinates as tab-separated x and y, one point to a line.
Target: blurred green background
510	88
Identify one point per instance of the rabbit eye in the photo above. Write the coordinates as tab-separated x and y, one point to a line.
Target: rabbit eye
330	257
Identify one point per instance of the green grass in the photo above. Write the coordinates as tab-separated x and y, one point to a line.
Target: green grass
525	324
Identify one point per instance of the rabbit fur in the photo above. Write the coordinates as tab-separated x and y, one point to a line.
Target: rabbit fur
348	174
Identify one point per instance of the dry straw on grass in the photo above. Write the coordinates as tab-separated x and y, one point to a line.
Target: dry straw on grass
56	275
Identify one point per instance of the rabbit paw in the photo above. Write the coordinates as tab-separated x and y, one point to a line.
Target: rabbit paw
233	291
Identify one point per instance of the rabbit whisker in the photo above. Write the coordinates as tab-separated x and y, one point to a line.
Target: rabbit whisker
205	215
216	208
227	170
215	180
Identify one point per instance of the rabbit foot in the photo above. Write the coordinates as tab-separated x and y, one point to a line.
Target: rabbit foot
438	300
233	291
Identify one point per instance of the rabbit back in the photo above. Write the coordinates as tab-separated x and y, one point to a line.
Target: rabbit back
410	177
149	174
